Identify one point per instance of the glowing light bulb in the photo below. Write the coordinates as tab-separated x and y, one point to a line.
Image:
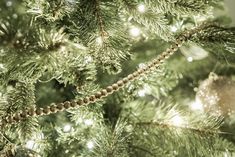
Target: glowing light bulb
99	41
196	105
9	3
141	93
1	66
30	144
135	32
177	120
88	122
190	59
90	144
67	128
174	29
79	121
141	8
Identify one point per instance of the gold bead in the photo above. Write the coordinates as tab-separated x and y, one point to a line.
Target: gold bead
67	104
80	102
23	114
39	111
92	98
60	106
109	89
86	100
125	80
130	77
98	95
46	110
53	108
104	92
120	83
136	74
140	71
73	103
31	111
115	86
156	62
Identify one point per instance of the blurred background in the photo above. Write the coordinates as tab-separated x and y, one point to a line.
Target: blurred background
230	9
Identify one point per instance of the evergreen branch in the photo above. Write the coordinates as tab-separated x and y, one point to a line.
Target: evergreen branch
110	89
188	128
103	33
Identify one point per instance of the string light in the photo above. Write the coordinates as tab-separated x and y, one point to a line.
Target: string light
67	128
174	29
196	105
99	41
88	122
177	120
9	3
190	59
134	31
141	93
141	8
146	89
30	144
90	145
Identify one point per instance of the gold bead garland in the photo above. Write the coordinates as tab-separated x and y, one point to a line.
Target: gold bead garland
53	108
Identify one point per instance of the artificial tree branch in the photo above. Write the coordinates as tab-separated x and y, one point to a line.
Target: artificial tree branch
155	63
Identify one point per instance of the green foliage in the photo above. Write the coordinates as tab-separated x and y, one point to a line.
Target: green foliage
58	50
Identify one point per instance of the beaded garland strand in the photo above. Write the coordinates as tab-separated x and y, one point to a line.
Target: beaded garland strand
155	63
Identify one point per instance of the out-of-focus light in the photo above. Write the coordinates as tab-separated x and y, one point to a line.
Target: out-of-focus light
67	128
141	8
99	41
9	3
190	59
30	144
177	120
79	121
88	122
141	93
90	144
135	32
196	105
174	29
145	90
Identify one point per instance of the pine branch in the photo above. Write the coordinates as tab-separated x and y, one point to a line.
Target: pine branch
110	89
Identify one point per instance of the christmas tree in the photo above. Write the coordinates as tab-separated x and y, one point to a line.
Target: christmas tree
116	78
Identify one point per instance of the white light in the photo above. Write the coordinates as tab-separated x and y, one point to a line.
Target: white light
67	128
135	32
79	121
142	65
90	144
197	105
1	66
30	144
62	48
173	28
145	90
9	3
190	59
141	93
141	8
177	120
99	41
88	122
